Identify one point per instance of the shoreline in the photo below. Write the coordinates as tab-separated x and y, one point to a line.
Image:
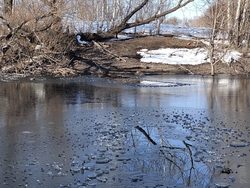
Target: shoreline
120	58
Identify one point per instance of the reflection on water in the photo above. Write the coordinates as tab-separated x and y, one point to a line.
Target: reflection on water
49	126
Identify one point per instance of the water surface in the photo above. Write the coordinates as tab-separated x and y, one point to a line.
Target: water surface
97	132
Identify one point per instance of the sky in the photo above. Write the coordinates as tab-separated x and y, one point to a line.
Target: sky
190	11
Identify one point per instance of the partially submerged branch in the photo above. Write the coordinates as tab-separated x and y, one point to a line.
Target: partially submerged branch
146	134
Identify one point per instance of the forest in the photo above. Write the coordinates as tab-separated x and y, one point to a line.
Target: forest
39	34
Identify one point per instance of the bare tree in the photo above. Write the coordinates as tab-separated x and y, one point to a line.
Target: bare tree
216	19
229	23
35	32
131	15
237	21
33	36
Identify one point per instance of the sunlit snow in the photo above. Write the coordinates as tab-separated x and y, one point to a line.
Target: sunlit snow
171	55
182	56
175	56
157	84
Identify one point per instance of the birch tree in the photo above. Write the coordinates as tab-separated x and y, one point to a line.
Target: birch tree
228	19
214	29
238	21
215	15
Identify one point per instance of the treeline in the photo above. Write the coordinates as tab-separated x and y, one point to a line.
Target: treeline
231	18
38	33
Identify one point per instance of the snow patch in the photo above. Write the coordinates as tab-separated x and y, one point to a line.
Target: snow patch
178	56
157	84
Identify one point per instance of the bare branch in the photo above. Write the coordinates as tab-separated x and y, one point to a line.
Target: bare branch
134	11
6	23
125	25
178	6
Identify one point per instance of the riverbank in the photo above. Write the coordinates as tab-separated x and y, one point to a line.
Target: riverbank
120	58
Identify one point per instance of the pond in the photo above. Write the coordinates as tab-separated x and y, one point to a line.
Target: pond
164	131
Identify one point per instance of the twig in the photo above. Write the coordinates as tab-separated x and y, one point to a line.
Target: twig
170	160
190	153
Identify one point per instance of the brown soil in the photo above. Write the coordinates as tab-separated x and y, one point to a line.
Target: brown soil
120	58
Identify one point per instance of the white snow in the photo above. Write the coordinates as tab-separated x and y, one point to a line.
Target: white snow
175	56
231	55
183	56
156	84
168	55
180	31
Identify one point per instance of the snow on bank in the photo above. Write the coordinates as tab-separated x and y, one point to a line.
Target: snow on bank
157	84
171	29
166	55
182	56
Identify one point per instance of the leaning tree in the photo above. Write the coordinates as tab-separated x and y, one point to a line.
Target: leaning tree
115	16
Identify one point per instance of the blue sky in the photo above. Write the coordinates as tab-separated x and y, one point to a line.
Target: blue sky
192	10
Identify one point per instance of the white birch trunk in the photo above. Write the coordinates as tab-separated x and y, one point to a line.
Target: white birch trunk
113	14
158	27
230	20
237	22
103	14
244	15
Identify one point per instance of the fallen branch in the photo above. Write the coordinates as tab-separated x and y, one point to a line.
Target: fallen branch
107	51
146	134
186	69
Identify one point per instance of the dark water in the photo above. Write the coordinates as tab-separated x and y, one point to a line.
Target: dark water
95	132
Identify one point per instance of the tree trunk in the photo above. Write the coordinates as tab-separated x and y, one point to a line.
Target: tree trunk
113	14
158	27
212	69
211	58
229	21
125	24
8	6
237	23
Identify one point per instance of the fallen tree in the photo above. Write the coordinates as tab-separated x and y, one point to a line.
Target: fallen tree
131	20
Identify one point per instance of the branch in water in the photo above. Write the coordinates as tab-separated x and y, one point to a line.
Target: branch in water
146	134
